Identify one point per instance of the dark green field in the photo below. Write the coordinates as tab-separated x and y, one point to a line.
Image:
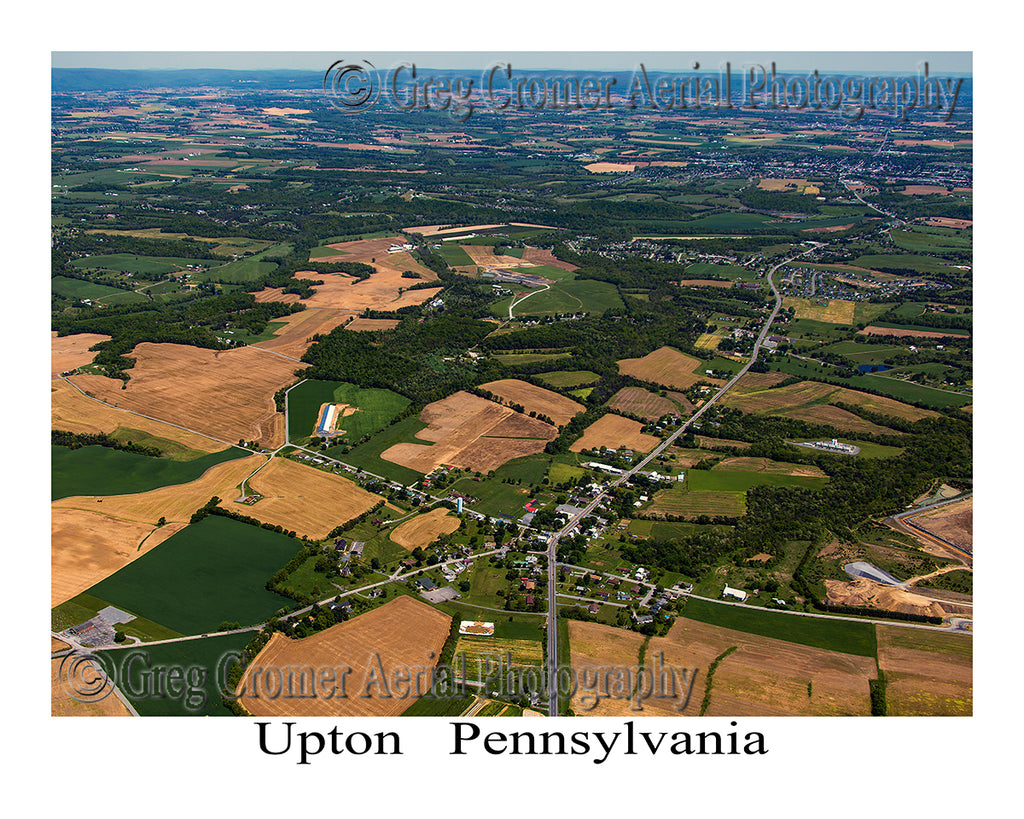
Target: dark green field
101	470
80	289
210	572
130	263
376	410
367	456
198	693
846	636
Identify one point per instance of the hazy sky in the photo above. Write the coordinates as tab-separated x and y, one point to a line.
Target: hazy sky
851	62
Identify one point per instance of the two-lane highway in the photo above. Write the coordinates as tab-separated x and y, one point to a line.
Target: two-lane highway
552	549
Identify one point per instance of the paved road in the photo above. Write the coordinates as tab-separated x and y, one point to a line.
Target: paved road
552	658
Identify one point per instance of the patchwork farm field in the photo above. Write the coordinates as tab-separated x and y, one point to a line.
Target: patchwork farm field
304	499
209	572
472	433
293	333
646	404
766	676
72	411
100	470
723	491
668	367
226	394
483	654
402	634
374	408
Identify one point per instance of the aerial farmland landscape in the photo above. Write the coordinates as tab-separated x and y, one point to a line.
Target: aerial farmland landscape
471	408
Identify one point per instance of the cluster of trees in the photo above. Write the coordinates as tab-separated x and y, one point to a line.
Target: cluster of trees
76	440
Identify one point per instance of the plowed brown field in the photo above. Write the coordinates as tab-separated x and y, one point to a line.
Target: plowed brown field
927	673
646	404
461	427
294	338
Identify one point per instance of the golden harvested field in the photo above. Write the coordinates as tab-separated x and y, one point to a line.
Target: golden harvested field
483	256
366	324
294	338
769	467
711	443
902	332
62	704
483	654
341	292
304	499
707	341
402	634
614	431
593	647
435	230
73	412
87	546
423	530
927	673
955	522
668	367
466	432
70	352
610	167
782	184
227	394
769	677
535	399
835	312
641	402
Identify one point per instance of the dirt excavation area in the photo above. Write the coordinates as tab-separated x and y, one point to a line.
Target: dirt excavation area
954	523
868	593
403	635
227	394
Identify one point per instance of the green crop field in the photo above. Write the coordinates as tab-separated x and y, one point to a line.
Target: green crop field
376	408
210	572
101	470
130	263
199	694
515	359
241	270
571	296
707	270
367	456
568	378
494	498
81	289
453	254
847	636
435	706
